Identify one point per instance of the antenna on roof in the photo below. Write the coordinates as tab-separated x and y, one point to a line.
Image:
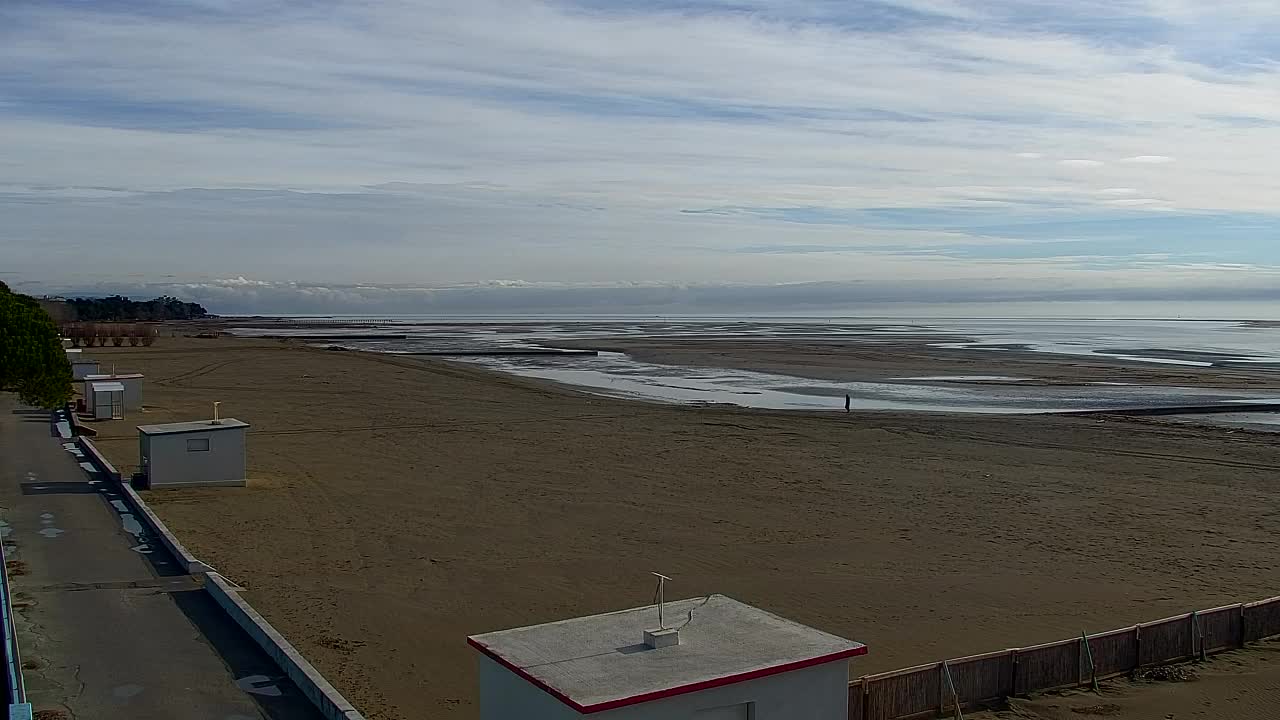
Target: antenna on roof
662	581
216	421
662	636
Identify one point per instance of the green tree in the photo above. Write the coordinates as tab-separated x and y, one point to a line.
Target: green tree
117	308
32	360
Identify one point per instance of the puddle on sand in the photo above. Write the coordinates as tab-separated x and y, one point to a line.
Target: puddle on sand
1259	421
967	378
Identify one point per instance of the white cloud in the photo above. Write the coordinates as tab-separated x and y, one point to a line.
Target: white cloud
1137	201
550	142
1150	159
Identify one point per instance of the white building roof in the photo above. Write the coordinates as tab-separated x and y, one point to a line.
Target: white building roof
600	662
118	376
72	351
107	387
194	426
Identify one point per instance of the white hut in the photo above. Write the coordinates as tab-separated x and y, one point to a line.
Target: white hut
82	366
132	389
711	658
188	454
107	400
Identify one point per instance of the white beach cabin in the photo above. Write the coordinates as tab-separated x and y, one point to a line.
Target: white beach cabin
132	389
726	661
106	400
192	454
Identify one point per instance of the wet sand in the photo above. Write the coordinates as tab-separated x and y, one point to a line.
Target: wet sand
881	358
397	505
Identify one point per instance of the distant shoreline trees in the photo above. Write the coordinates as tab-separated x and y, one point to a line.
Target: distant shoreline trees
32	360
117	308
115	319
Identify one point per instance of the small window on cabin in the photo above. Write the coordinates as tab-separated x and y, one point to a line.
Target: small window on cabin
198	445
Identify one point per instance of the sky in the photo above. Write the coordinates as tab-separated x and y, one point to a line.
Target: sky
600	155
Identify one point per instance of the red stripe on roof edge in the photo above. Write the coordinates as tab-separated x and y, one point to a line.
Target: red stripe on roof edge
668	692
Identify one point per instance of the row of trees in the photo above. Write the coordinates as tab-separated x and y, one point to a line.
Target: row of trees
32	361
90	334
118	308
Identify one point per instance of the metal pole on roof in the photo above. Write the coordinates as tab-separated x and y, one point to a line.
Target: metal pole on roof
662	579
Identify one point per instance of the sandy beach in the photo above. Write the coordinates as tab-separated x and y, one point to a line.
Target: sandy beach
397	505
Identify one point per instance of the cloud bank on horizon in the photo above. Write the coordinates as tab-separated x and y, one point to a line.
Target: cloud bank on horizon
609	151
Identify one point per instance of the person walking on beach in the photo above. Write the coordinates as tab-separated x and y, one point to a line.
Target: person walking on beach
847	400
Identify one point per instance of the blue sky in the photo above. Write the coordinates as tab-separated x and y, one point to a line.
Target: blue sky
953	149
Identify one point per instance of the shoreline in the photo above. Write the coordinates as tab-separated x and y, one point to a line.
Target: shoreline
852	361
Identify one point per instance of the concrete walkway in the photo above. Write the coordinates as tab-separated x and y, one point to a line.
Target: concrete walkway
108	625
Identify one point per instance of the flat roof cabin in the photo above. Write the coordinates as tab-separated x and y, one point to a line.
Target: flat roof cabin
193	454
106	400
726	661
132	389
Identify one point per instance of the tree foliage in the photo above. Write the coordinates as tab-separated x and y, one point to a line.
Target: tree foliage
117	307
32	360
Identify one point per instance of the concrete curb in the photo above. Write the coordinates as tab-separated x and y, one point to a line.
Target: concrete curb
97	459
175	548
149	518
77	428
324	696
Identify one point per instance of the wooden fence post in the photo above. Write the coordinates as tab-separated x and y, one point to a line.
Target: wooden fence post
1137	647
1194	619
1013	673
866	699
942	687
1244	632
1088	654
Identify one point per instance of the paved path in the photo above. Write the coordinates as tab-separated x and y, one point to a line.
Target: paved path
108	625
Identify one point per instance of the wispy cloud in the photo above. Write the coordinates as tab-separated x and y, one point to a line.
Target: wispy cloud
417	140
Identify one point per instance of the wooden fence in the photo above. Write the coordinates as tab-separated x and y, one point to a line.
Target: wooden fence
982	680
